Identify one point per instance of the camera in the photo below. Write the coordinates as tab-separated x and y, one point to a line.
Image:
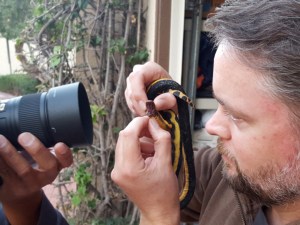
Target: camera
62	114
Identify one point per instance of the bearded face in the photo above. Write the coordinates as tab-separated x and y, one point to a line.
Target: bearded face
260	147
269	184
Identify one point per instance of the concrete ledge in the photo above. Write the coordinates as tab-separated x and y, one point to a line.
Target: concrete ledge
5	96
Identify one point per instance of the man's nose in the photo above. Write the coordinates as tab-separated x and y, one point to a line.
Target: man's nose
218	125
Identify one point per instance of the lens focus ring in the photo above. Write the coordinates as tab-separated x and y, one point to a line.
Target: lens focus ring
30	116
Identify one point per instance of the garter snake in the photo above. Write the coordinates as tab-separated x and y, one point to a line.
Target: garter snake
179	127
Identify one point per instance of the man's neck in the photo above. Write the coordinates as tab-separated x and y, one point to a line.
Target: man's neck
285	214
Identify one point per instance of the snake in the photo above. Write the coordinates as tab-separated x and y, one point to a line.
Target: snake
178	124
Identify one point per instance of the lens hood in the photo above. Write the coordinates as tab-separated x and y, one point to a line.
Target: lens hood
60	115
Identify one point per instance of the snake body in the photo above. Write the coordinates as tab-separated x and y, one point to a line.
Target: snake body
179	127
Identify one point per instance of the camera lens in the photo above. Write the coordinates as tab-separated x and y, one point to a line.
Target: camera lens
60	115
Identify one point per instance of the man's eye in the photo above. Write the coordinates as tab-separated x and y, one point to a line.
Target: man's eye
235	119
232	117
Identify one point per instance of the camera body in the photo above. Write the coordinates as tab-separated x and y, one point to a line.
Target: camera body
62	114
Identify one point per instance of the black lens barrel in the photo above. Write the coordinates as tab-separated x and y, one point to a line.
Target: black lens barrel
33	117
60	115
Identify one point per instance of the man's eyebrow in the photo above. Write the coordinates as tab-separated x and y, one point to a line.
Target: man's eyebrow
223	103
230	108
218	99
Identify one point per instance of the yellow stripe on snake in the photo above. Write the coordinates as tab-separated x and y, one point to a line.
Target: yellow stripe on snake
179	127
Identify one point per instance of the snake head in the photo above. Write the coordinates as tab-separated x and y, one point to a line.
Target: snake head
150	109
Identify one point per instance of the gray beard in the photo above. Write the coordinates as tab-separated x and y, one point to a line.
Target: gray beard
269	184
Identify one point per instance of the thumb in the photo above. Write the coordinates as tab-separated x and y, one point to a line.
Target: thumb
162	141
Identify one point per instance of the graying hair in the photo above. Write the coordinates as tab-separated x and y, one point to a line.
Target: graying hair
266	33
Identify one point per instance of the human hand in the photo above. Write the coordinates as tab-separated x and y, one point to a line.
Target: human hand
20	192
143	169
138	80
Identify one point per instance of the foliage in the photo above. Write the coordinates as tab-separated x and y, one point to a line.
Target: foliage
138	56
13	13
83	179
109	221
18	84
97	111
96	43
112	221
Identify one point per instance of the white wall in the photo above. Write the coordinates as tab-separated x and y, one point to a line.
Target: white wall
150	28
176	35
176	39
4	65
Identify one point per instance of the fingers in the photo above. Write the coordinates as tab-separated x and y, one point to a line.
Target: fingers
137	81
147	146
19	179
136	100
12	158
131	149
38	151
132	146
165	101
5	171
63	155
162	142
135	95
138	175
42	155
129	156
149	72
128	150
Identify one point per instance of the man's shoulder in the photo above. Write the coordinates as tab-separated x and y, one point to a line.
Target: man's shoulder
207	157
3	219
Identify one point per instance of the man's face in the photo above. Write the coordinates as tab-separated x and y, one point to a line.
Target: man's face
258	145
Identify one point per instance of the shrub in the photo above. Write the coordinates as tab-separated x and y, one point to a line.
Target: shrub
18	84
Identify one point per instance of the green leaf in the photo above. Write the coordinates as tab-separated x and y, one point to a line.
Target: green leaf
37	11
83	4
118	46
13	17
138	57
117	130
55	61
92	204
76	200
95	40
97	111
57	49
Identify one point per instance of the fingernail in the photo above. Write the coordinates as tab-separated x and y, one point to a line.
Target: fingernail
3	141
154	123
63	150
26	139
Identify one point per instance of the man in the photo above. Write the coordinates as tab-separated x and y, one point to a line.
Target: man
254	175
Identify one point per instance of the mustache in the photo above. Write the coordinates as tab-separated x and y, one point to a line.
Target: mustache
223	150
